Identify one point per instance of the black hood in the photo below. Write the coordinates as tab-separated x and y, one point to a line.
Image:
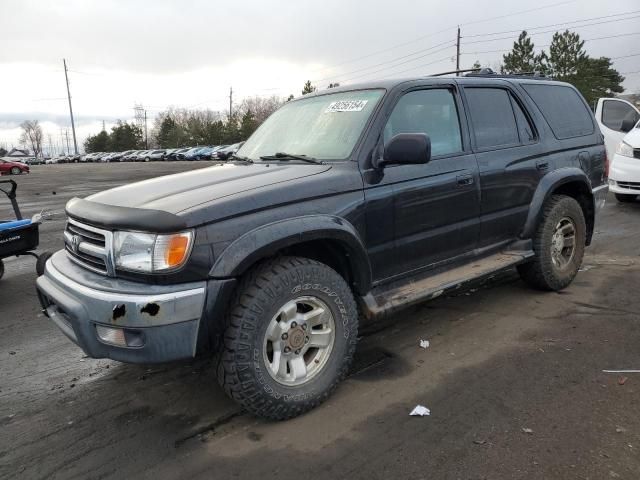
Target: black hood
183	191
168	203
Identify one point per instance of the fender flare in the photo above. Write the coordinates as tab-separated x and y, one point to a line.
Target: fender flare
267	240
548	184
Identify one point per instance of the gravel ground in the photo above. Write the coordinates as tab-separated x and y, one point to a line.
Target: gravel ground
513	378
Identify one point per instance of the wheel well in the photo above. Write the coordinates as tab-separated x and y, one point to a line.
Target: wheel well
329	252
581	193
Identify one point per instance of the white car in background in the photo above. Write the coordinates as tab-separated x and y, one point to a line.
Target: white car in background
619	122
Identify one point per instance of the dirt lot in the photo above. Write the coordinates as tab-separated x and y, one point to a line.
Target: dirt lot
513	378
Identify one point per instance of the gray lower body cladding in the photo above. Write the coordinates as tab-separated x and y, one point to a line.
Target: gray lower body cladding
123	320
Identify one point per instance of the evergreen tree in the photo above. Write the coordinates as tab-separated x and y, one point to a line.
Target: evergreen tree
248	124
97	143
308	88
125	136
566	54
522	57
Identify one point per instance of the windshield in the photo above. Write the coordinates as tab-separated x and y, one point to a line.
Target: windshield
326	127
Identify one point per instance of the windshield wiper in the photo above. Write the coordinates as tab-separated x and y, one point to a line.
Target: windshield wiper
290	156
239	158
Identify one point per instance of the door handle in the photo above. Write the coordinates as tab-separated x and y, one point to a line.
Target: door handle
464	180
542	164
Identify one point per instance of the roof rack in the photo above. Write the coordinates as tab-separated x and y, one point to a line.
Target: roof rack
488	72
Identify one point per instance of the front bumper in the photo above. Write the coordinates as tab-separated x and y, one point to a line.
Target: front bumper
162	320
624	176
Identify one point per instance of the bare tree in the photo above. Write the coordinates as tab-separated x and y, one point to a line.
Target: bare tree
260	107
32	136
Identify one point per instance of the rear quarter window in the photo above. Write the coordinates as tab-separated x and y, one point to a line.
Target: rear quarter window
563	108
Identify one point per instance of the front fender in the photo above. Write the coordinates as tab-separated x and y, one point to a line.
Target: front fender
267	240
548	184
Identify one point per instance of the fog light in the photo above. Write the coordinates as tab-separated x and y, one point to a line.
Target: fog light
112	336
120	337
612	182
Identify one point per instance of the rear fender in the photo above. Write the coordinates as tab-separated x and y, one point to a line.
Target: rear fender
549	184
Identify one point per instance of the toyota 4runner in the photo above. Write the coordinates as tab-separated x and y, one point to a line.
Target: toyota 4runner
344	206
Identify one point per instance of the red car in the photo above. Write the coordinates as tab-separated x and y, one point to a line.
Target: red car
13	168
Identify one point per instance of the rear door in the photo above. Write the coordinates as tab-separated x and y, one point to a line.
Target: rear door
614	116
510	159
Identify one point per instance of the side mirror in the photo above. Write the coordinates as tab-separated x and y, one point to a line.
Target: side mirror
406	148
628	123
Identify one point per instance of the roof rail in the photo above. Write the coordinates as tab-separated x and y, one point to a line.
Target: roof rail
455	71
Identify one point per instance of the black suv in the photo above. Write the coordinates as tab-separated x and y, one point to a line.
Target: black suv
344	206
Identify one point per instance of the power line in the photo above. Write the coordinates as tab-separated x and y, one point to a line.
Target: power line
416	67
510	37
422	37
450	42
560	24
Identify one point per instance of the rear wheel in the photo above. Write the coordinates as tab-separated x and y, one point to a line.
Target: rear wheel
290	337
625	198
559	244
1	268
15	171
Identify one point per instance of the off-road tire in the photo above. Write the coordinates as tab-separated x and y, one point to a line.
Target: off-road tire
241	369
541	273
625	198
15	171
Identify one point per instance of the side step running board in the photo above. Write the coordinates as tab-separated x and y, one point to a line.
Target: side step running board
383	301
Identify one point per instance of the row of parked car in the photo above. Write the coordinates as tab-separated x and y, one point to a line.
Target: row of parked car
207	152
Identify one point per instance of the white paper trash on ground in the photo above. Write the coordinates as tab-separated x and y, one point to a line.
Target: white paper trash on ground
424	343
420	411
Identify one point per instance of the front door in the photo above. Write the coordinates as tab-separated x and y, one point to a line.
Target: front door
614	117
421	215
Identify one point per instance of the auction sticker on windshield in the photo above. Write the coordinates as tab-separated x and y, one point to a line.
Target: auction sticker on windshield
346	106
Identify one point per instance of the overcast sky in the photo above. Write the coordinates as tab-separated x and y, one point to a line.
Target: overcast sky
188	53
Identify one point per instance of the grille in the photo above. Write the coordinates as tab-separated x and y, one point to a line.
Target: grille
89	247
630	185
636	152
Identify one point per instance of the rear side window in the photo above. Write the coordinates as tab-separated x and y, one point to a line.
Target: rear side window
564	110
492	117
614	112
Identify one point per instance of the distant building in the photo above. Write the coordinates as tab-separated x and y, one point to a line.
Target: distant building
18	153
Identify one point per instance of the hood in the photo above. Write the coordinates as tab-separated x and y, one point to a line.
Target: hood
633	138
183	191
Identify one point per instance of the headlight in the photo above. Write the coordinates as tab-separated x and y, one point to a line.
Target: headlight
151	253
625	150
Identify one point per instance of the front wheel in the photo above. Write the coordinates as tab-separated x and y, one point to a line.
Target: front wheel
625	198
290	337
559	244
15	171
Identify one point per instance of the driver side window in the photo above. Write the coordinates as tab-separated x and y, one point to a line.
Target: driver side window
432	112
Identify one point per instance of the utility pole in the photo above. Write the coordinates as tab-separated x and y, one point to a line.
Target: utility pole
66	133
230	102
458	52
146	137
73	125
